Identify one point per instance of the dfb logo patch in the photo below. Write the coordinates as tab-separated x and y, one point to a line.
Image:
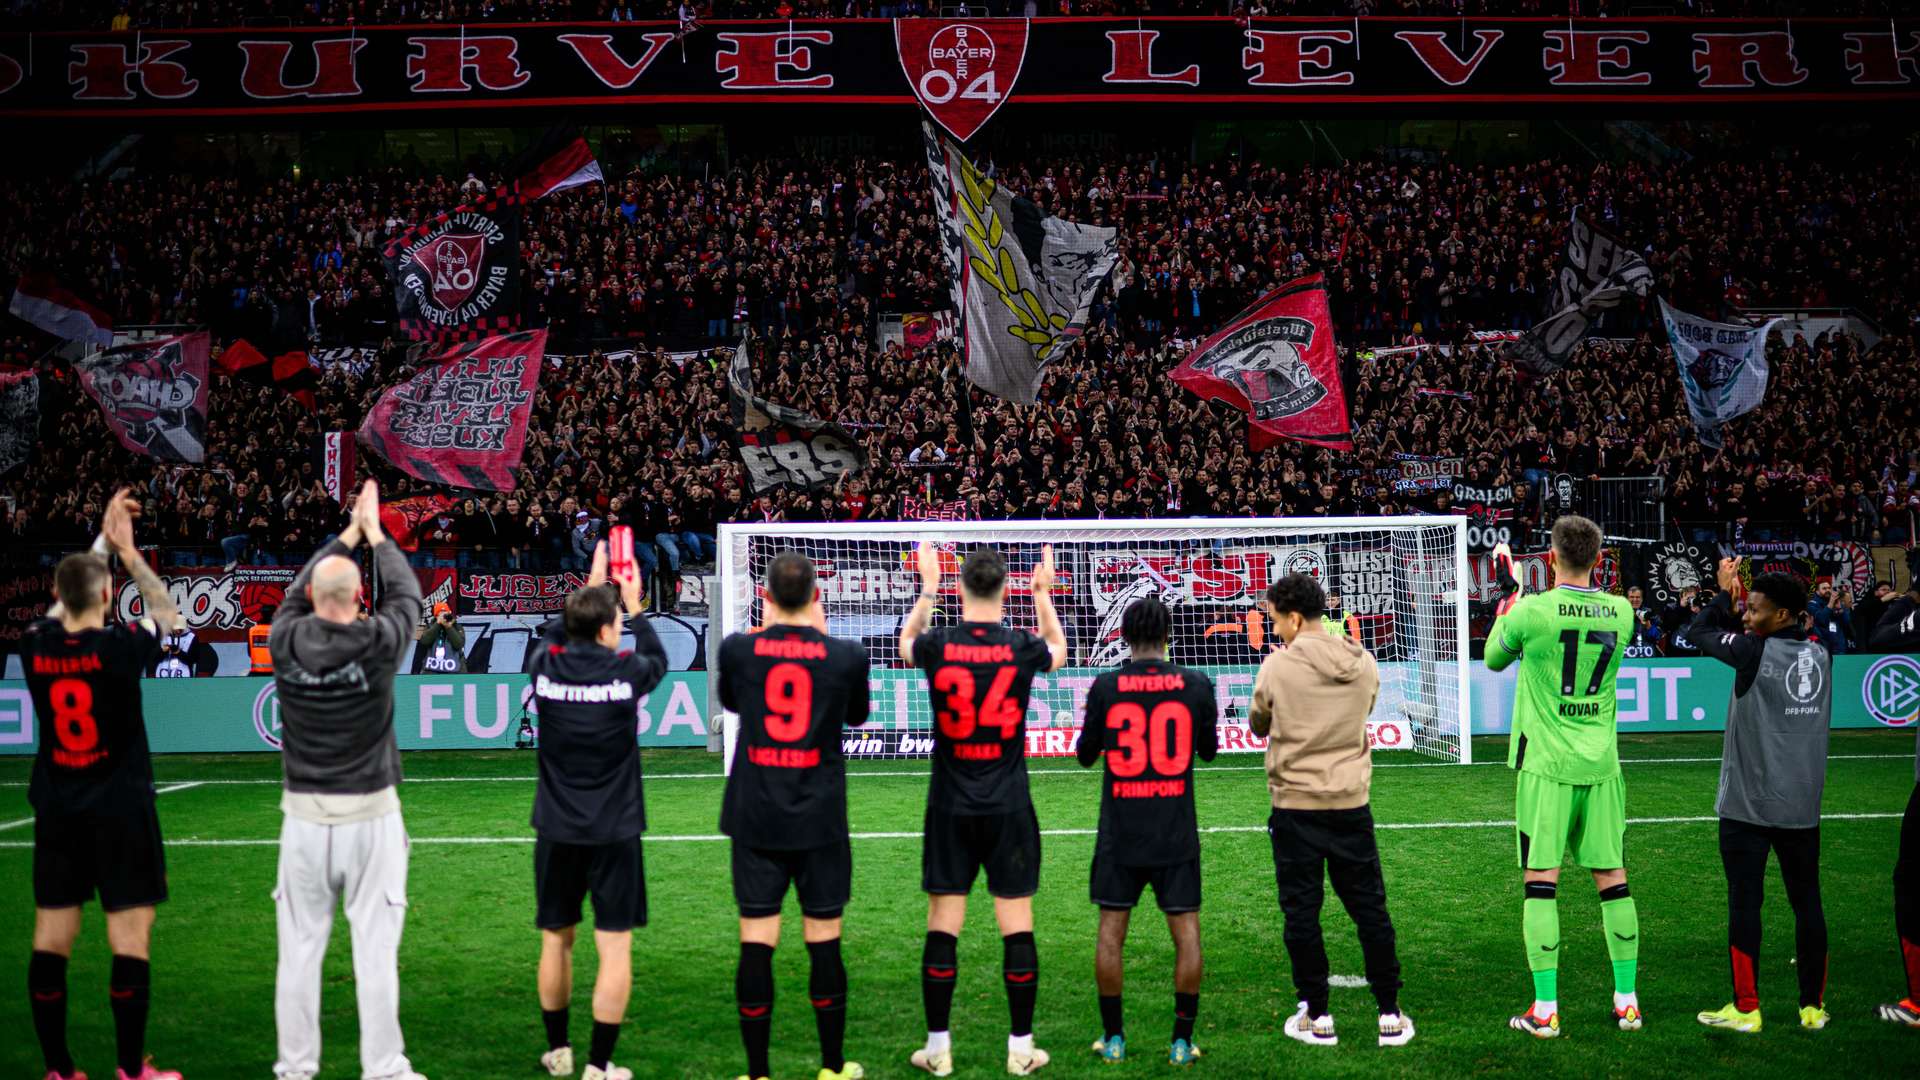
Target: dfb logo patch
962	70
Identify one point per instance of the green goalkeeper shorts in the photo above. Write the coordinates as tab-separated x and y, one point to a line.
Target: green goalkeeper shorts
1587	821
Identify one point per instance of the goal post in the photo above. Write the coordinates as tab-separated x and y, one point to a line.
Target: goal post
1401	582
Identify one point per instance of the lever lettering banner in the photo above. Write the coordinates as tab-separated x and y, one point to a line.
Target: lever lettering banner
962	71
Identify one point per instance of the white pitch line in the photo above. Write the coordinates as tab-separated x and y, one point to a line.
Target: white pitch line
4	826
714	838
922	773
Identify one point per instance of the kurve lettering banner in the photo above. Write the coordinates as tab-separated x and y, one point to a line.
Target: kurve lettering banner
961	71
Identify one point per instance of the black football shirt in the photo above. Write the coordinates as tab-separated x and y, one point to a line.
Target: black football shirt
794	689
979	676
1150	718
93	736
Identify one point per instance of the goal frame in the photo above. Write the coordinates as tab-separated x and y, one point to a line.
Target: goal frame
729	572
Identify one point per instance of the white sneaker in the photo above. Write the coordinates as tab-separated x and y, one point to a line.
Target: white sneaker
558	1062
937	1062
1304	1029
612	1072
1019	1064
1396	1029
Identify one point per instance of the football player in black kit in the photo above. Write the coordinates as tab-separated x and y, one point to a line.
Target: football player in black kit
587	809
979	813
794	689
1150	719
94	827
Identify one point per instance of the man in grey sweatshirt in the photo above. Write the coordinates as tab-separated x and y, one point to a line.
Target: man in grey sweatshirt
342	835
1772	774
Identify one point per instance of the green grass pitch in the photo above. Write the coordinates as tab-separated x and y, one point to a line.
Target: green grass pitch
467	964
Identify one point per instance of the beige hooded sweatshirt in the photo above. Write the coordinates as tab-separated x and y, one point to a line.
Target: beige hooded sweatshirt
1311	701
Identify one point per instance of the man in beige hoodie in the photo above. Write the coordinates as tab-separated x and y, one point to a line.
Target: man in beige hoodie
1311	701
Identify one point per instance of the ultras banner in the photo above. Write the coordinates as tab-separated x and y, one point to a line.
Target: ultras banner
961	71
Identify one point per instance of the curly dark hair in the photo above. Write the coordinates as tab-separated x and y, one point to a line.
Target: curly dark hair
1298	593
1147	622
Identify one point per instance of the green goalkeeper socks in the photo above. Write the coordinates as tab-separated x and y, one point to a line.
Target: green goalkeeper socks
1622	921
1540	921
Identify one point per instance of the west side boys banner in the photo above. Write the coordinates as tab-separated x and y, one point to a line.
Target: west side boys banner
962	71
153	394
1276	362
461	420
458	275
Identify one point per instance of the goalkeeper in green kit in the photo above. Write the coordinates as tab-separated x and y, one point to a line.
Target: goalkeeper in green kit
1569	796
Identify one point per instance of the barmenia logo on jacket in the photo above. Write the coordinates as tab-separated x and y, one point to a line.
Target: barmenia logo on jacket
588	693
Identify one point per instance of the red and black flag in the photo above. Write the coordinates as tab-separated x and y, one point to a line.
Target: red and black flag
461	420
559	160
1276	362
291	373
457	277
401	519
782	446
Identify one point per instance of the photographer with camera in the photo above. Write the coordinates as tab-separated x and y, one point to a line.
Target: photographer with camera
1674	621
443	644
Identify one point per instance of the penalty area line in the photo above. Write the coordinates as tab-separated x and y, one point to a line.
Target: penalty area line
714	838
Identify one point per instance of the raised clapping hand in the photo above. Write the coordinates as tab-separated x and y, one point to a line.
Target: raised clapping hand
366	513
1043	573
1729	577
929	567
116	527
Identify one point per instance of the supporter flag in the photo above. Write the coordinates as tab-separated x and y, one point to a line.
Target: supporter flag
19	416
1723	368
561	159
457	277
1597	273
461	421
45	303
291	373
1276	362
153	394
784	447
336	464
400	519
1022	280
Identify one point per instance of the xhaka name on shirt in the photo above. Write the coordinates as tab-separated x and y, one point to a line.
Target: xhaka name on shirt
976	751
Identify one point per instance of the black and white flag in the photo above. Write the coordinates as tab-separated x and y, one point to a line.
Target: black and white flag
1022	280
1597	273
19	416
784	447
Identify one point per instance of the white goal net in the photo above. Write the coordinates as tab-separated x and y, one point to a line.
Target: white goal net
1399	584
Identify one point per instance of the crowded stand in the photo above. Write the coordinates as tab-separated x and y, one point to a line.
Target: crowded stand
645	288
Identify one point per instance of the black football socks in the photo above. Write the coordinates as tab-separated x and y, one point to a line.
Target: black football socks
753	992
1020	963
128	985
47	987
827	989
938	965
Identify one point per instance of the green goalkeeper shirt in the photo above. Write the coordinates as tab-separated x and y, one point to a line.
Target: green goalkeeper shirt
1569	642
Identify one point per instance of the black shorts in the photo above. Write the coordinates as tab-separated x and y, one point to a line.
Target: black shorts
118	855
822	876
958	845
563	875
1116	886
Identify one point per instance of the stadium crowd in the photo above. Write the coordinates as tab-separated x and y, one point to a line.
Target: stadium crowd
806	255
156	14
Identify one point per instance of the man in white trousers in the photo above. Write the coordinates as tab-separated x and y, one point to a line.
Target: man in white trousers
342	836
